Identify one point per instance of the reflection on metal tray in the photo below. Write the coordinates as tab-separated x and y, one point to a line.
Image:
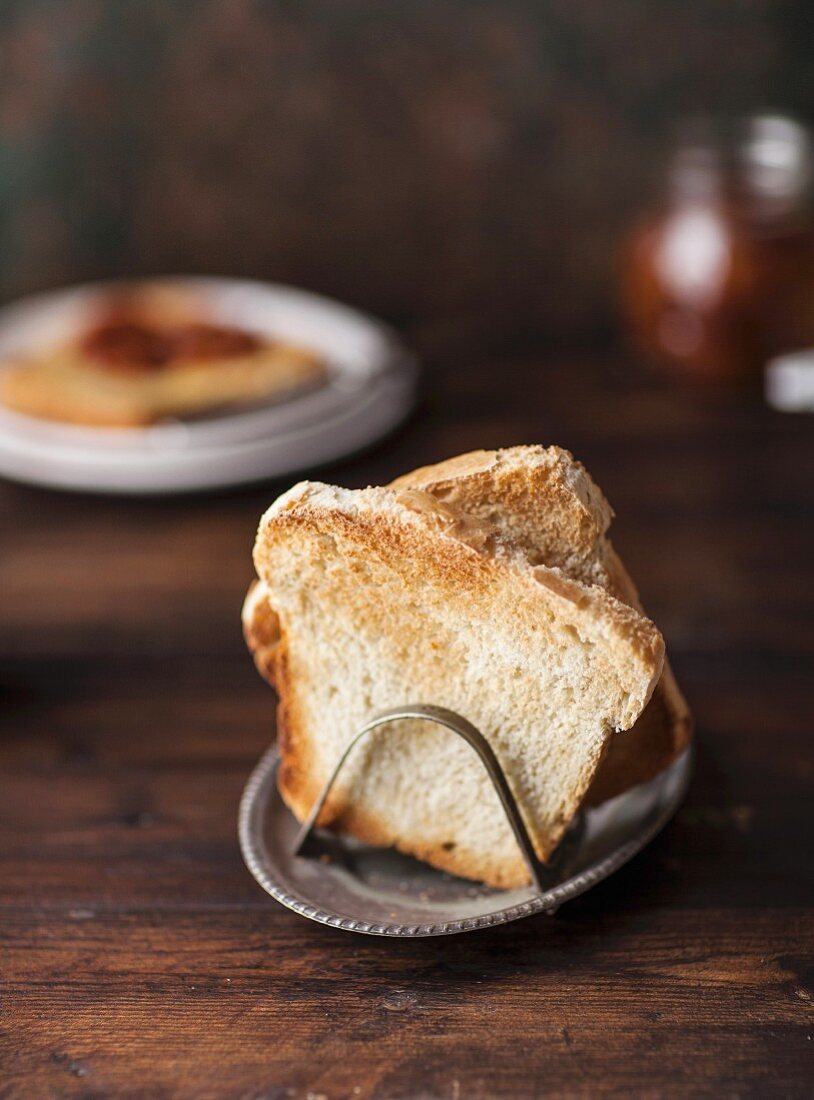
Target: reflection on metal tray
346	884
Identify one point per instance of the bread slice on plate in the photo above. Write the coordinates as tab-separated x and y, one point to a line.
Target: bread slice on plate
380	597
148	352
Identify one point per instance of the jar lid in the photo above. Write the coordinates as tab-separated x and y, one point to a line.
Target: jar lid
775	156
761	162
789	382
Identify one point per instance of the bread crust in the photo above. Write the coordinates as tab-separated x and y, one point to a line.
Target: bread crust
634	756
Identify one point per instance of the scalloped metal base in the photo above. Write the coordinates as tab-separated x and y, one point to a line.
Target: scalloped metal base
383	893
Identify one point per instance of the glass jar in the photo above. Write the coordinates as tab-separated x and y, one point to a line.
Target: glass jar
721	277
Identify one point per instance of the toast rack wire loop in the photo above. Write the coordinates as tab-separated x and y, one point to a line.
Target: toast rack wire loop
451	721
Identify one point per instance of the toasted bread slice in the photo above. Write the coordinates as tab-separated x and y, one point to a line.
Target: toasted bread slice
391	596
549	504
144	352
59	384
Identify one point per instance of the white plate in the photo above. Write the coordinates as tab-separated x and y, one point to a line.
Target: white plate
371	388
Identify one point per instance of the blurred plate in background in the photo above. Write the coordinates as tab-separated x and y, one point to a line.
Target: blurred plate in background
370	389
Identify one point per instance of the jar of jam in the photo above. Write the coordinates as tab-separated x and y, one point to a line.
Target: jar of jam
721	277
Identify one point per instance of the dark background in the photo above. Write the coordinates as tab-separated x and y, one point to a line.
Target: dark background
426	159
464	169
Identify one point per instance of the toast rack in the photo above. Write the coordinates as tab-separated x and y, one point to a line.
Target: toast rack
348	885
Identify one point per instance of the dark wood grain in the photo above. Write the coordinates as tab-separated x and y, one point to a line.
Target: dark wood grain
141	960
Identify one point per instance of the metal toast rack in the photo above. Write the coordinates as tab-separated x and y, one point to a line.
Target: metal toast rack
346	884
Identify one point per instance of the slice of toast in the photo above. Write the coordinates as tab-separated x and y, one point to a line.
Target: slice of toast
144	352
59	384
548	502
387	596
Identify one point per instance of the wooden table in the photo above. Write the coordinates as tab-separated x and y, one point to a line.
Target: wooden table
139	957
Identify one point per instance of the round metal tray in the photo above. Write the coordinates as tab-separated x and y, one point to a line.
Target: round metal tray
380	892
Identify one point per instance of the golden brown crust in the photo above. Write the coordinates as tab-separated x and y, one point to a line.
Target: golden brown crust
663	730
295	778
26	391
261	629
634	756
